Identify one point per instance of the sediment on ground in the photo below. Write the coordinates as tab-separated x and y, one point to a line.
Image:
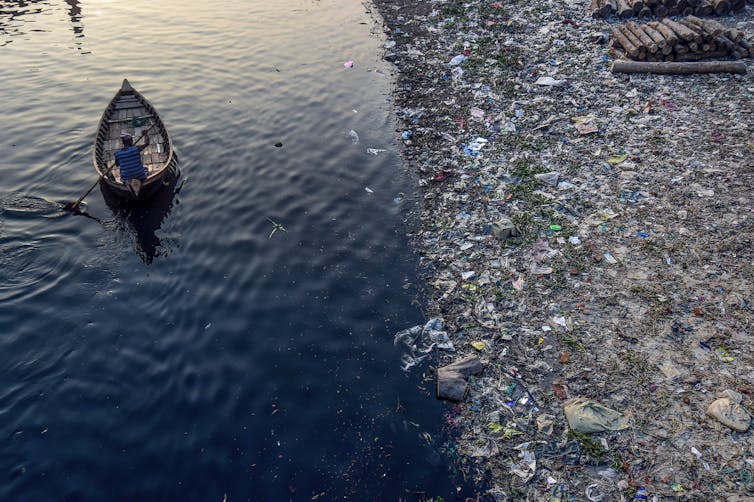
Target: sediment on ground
586	235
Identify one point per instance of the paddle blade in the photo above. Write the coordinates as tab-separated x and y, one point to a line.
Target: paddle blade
72	207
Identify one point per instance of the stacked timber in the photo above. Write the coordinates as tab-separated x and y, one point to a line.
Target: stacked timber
686	39
625	9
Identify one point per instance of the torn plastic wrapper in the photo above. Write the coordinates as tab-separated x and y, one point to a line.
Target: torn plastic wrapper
526	467
420	340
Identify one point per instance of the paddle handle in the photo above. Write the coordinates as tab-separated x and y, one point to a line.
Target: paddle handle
76	204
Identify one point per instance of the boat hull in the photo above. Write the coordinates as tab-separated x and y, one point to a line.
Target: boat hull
130	112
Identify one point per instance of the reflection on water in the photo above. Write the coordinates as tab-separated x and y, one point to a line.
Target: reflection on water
143	219
17	17
74	12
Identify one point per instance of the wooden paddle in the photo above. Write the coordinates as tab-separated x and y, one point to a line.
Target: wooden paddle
73	207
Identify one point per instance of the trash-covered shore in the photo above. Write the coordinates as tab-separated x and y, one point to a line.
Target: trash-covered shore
588	237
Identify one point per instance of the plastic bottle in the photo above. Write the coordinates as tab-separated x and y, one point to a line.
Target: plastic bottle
641	494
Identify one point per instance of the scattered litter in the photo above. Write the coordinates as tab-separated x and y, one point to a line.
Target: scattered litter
457	60
474	148
354	136
504	229
586	416
549	81
479	345
420	340
648	181
452	379
275	227
375	151
368	190
617	159
550	178
593	493
348	64
669	370
728	411
545	423
526	467
585	125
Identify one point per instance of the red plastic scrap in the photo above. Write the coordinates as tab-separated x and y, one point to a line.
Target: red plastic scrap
670	106
443	175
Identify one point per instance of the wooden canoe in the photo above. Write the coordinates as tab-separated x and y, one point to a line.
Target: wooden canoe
130	112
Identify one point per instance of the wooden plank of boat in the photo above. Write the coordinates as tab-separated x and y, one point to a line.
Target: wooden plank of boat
130	112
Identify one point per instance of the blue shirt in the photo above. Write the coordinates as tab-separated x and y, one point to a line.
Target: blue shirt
129	160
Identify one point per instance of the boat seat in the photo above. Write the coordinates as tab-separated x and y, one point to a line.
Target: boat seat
127	105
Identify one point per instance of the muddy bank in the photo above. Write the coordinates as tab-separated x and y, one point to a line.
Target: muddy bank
587	235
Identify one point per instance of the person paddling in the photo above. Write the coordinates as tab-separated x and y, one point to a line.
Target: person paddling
132	171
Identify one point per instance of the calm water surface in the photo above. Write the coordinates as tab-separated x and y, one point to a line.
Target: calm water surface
177	351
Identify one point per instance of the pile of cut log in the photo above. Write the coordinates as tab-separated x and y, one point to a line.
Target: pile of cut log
687	39
625	9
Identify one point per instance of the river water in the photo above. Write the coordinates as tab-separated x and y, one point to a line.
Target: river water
184	350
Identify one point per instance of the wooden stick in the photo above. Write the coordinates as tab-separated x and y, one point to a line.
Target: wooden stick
723	41
682	30
669	34
734	34
608	8
660	10
681	49
712	27
645	40
624	42
637	5
624	11
704	9
633	39
680	68
722	7
695	27
655	35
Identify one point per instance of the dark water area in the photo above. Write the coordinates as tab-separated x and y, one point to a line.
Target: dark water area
182	350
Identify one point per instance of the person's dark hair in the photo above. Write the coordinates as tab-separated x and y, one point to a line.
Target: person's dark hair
127	139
